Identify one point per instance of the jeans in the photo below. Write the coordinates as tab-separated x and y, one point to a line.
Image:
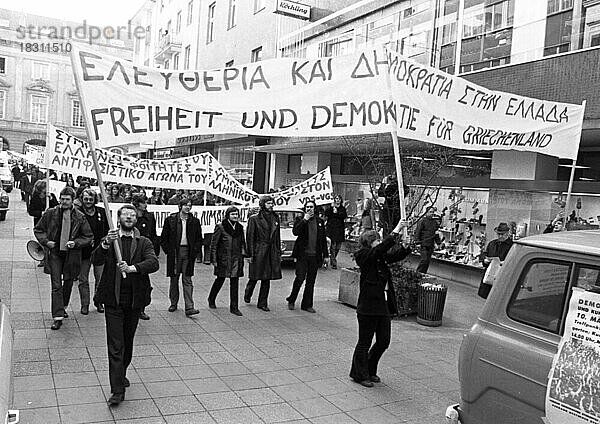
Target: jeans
233	291
61	291
121	323
366	358
263	294
333	252
188	288
306	269
84	280
426	252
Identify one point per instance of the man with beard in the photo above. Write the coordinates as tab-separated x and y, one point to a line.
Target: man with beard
63	231
263	241
181	240
96	218
123	290
146	224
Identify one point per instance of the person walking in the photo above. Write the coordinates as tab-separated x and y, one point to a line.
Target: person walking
37	203
376	301
16	172
181	240
336	227
426	236
227	251
310	251
123	296
146	225
63	231
26	186
263	241
96	218
497	248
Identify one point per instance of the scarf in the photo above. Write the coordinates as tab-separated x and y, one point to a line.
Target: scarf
233	230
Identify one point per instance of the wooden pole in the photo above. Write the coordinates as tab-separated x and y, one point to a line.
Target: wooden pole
571	179
46	156
92	145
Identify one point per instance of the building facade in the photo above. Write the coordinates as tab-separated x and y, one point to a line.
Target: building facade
36	79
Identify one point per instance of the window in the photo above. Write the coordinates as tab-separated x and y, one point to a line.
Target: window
558	33
256	55
555	6
2	104
540	295
231	20
229	64
587	277
294	164
186	57
2	66
178	23
41	70
76	115
167	63
190	12
259	5
210	34
338	46
168	31
39	109
176	61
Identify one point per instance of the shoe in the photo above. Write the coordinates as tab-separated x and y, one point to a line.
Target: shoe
375	379
41	264
56	325
291	306
172	308
85	310
126	382
333	266
264	308
66	315
144	316
247	298
116	399
211	304
206	263
190	312
100	308
311	310
366	383
236	312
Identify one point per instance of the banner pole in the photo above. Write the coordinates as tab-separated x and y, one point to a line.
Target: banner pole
572	178
94	156
46	157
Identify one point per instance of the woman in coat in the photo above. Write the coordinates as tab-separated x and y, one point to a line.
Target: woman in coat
114	194
227	251
376	301
37	204
336	227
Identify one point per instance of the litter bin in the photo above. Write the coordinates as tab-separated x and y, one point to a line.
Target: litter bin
431	300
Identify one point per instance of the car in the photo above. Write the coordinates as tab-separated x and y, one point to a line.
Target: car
4	201
506	357
286	222
6	177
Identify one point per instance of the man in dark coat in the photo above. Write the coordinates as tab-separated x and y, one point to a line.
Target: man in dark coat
310	250
123	296
181	240
27	182
426	236
497	248
63	231
336	227
263	241
146	225
16	172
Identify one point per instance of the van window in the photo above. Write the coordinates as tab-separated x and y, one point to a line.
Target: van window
540	295
587	277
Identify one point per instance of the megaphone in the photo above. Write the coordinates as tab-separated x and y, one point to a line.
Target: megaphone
35	250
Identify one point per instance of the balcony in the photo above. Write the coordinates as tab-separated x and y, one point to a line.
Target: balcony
167	46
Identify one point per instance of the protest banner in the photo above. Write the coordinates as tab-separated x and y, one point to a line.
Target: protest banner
572	392
34	155
54	187
66	153
370	91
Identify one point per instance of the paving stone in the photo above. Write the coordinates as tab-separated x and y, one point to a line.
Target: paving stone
77	379
195	418
253	397
33	382
375	414
233	368
276	413
314	407
178	405
244	381
223	400
80	395
195	371
91	413
334	419
295	391
236	416
350	400
40	415
167	388
139	408
278	378
206	385
149	375
34	399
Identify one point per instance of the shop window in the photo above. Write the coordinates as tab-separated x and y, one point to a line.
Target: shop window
2	104
558	33
2	66
587	277
294	164
210	28
540	295
76	115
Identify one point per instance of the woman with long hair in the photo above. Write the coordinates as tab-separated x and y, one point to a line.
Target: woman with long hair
157	197
114	194
227	251
376	301
336	227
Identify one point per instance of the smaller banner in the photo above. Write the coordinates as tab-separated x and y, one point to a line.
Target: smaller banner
55	187
34	155
572	395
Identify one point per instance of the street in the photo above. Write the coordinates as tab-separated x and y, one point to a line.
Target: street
281	366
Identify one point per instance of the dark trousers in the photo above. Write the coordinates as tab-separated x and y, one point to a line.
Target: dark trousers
426	252
61	290
366	358
26	197
121	323
263	294
306	269
233	291
333	252
186	281
206	240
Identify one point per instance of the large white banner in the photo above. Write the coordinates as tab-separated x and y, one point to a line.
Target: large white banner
353	94
572	395
67	153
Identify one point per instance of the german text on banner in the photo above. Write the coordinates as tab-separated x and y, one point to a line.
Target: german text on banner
352	94
572	392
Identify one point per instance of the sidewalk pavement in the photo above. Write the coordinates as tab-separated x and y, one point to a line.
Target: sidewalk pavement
281	366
